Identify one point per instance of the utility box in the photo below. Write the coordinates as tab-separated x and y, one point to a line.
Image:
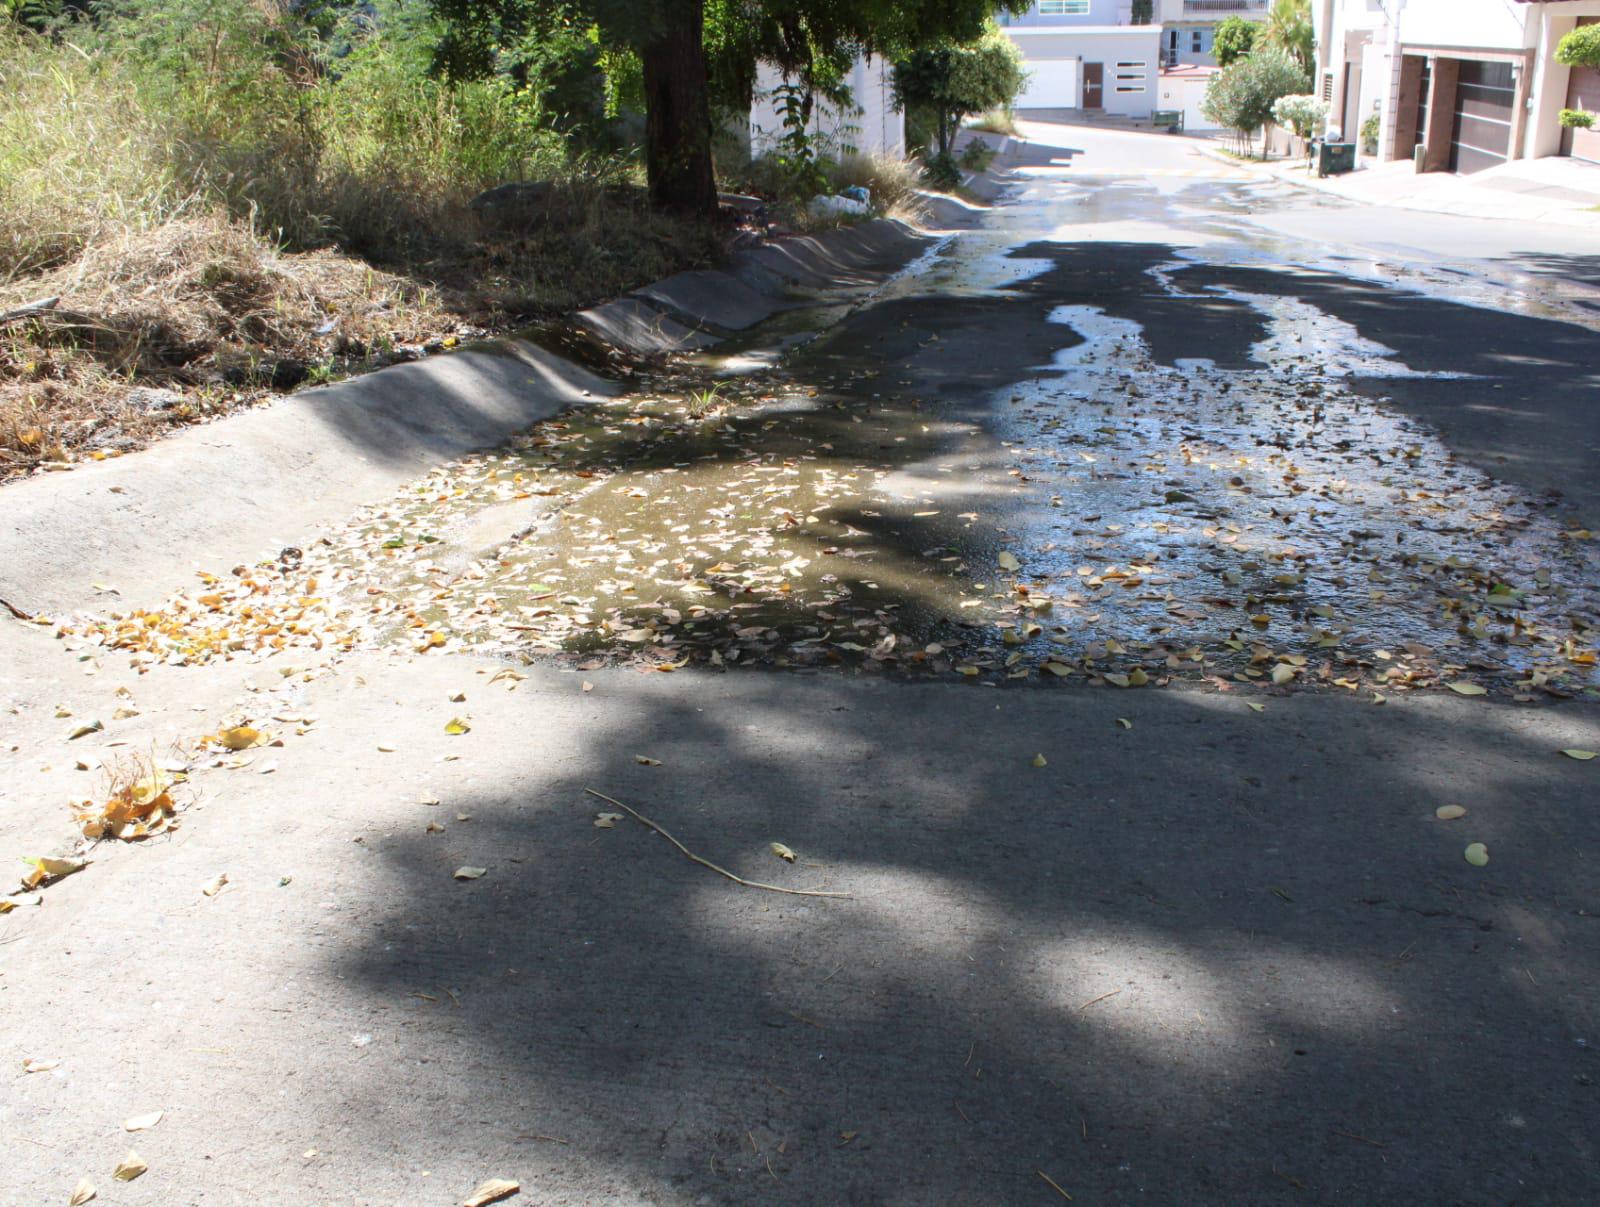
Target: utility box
1336	158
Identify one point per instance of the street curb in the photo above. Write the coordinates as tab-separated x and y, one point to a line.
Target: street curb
257	481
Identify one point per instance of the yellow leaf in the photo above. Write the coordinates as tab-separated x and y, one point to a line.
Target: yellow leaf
1056	668
491	1191
457	726
1039	760
1137	677
1119	680
130	1167
1477	854
140	1123
1124	722
783	852
240	737
1449	812
82	1193
211	888
1583	756
1463	688
470	873
1255	707
607	821
1008	561
1282	674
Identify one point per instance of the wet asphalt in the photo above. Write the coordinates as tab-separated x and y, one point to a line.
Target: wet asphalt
1106	606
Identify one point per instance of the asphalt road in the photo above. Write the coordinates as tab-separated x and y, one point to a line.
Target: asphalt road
1201	943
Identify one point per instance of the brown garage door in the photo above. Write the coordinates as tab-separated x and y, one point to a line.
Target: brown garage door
1486	94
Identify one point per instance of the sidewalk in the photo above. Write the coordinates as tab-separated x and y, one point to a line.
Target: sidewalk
1560	191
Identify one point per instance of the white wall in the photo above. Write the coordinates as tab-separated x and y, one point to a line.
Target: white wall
1495	24
1109	45
871	126
1186	93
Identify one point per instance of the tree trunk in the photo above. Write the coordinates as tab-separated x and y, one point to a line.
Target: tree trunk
678	113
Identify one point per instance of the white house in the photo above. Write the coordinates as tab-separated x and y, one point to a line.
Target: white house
1188	27
1458	85
1087	55
869	125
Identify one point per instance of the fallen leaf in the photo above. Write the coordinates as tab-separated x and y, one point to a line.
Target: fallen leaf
1583	756
587	686
470	873
46	869
783	852
1008	561
607	821
1463	688
39	1066
646	761
130	1167
1124	722
1253	707
82	1193
1449	812
1039	760
84	731
214	886
1477	854
491	1191
460	697
140	1123
1282	674
457	726
240	737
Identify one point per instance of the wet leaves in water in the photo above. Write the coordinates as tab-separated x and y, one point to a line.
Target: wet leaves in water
1477	854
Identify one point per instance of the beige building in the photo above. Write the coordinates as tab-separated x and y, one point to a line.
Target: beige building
1456	85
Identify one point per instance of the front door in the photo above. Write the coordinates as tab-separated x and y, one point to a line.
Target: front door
1094	77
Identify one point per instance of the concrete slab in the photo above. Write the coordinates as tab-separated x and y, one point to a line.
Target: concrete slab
709	296
234	490
634	326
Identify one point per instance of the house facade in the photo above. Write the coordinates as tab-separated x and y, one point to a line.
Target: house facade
1189	27
1087	55
1457	85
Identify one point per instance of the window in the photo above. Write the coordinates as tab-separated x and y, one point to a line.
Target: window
1063	8
1130	77
1197	43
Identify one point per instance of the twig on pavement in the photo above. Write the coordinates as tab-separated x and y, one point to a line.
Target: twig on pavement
706	863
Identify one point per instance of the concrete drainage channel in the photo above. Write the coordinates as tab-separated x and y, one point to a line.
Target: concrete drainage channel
258	481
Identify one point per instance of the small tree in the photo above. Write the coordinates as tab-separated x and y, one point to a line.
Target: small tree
1302	113
1580	48
948	81
1241	98
1235	38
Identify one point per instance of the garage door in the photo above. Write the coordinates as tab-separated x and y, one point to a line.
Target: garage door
1486	94
1052	84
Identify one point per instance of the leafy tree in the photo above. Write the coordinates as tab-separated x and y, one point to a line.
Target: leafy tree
1301	112
1289	28
1581	47
685	47
1234	39
953	80
1241	97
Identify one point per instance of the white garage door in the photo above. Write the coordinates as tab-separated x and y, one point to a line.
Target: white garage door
1052	84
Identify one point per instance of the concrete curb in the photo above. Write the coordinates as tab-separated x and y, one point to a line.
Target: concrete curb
254	482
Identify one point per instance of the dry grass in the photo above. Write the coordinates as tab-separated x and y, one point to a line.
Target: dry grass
161	328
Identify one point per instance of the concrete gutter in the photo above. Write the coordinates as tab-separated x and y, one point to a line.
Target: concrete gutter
257	481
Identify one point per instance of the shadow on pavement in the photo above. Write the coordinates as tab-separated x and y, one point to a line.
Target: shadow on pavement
1216	957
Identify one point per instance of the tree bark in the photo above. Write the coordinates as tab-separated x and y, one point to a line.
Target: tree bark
678	113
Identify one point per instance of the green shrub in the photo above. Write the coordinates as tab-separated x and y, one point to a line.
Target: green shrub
1370	130
1577	119
977	155
1581	47
1241	97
